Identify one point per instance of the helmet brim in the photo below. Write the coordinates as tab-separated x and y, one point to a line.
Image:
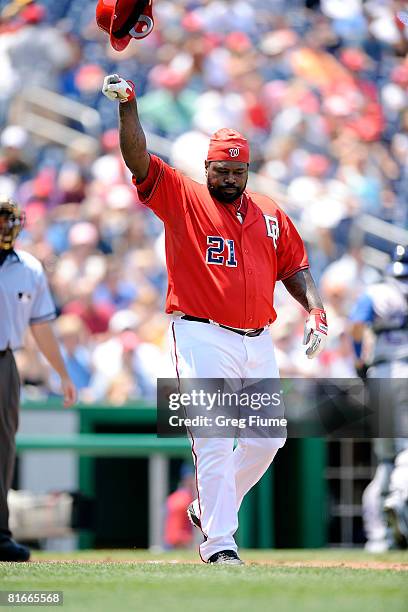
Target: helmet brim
120	44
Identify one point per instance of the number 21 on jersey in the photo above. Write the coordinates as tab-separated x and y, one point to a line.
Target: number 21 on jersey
216	254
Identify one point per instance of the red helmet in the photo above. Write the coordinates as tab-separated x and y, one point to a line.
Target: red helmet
124	20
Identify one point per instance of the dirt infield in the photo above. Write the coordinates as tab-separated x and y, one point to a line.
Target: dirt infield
317	564
366	565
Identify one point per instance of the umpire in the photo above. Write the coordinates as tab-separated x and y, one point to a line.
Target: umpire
25	300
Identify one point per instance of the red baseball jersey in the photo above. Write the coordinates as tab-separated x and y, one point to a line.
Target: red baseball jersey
218	268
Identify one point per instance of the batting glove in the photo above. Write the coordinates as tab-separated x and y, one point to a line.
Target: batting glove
116	88
315	335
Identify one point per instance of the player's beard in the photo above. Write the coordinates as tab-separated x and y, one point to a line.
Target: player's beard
225	197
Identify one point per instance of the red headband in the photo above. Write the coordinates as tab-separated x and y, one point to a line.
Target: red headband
228	145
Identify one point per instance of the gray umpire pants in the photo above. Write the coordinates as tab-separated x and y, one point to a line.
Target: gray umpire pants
9	408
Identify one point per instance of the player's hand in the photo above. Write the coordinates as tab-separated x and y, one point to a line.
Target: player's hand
116	88
69	392
361	368
315	335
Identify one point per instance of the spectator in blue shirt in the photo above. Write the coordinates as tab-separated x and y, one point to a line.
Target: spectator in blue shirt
114	289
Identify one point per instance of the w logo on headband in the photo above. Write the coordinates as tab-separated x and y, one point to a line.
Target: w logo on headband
234	152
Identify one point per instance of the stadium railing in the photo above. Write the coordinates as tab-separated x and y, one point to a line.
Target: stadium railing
88	445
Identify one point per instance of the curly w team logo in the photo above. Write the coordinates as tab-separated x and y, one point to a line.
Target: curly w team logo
234	152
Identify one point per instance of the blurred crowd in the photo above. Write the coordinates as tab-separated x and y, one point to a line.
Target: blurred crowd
320	88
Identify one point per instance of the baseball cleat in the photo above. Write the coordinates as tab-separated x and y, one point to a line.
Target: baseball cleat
225	557
194	520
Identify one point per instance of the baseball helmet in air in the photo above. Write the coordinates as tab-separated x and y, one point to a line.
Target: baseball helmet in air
12	220
124	20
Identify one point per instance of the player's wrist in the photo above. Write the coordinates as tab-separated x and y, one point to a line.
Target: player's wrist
317	320
130	92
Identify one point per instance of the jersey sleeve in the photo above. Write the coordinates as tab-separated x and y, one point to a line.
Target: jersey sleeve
291	251
363	311
43	308
162	190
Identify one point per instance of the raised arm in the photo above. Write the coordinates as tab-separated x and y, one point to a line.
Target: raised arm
132	137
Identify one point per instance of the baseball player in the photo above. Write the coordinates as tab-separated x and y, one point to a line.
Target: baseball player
25	301
383	308
226	247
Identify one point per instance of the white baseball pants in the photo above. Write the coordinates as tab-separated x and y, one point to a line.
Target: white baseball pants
224	475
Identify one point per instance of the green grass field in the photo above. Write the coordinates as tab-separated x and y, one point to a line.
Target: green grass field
282	581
